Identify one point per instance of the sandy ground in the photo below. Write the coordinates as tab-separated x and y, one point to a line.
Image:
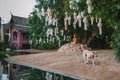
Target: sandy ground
106	68
71	63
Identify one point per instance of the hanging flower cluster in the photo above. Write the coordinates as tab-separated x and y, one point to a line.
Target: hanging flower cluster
89	4
78	18
92	19
49	20
85	21
49	32
100	26
75	20
73	4
56	31
67	20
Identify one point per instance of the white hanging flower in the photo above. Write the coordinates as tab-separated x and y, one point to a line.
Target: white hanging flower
75	20
64	37
69	20
89	3
82	13
40	40
77	1
85	21
70	4
46	20
54	21
66	13
62	32
43	11
39	13
74	24
100	26
89	9
75	16
49	32
50	20
92	19
56	31
37	10
79	17
48	11
53	1
66	23
96	19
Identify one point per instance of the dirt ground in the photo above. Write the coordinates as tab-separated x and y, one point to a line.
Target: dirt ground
71	63
106	68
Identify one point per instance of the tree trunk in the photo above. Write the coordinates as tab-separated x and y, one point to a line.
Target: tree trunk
87	40
90	39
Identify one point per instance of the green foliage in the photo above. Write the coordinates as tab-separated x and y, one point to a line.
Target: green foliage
117	54
38	27
2	54
4	44
36	75
107	10
48	46
115	43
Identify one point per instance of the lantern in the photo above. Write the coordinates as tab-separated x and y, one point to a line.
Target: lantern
43	11
69	20
82	14
85	21
79	17
100	26
66	21
92	19
75	20
89	3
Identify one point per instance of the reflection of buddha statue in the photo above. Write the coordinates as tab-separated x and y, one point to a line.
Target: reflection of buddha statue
74	41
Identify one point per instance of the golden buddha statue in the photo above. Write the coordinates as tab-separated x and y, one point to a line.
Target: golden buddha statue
75	39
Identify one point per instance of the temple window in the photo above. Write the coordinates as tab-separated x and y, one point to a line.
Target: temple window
14	36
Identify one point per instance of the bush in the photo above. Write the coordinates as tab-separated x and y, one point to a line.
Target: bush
2	54
115	43
4	44
47	46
